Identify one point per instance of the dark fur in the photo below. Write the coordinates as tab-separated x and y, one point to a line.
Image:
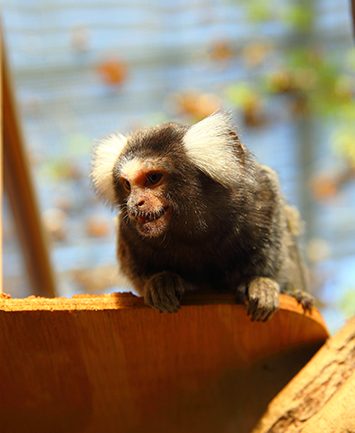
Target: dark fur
235	239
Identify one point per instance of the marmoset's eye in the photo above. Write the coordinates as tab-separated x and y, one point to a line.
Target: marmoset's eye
154	178
126	185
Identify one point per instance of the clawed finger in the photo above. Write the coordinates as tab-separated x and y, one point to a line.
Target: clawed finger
263	299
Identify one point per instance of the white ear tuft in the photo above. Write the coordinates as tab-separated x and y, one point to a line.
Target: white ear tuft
211	147
104	158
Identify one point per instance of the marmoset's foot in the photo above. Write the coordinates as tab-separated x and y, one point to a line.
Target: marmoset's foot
163	292
303	298
262	298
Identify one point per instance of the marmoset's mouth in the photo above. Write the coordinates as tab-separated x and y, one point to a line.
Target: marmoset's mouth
147	217
152	224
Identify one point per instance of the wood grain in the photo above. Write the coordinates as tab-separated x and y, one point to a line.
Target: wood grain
110	364
321	398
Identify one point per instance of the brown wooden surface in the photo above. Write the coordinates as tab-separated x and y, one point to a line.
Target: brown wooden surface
110	364
21	194
321	398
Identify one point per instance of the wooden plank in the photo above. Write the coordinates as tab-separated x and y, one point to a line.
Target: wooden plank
321	398
20	191
110	364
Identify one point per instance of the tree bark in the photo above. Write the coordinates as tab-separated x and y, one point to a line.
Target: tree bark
321	397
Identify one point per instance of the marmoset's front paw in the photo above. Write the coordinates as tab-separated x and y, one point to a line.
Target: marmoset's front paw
164	291
305	299
262	298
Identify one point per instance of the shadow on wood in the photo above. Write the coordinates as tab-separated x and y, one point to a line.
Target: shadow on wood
110	364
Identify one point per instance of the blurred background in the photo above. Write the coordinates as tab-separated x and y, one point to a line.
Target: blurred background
82	69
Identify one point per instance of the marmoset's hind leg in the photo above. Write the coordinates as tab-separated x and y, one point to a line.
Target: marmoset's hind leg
295	273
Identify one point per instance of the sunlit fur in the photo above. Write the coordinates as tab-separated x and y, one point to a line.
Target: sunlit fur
217	220
130	168
106	153
211	147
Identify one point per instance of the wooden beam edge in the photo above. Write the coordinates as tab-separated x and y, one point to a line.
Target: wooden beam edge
118	301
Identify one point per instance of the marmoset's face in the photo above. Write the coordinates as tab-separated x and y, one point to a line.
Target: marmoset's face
143	186
162	177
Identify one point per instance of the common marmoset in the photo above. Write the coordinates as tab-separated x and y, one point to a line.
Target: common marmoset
197	210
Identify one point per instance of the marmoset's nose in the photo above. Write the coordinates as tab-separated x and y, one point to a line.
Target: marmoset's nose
140	203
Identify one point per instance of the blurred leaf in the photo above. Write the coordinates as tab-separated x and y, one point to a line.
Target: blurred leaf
344	144
197	105
260	10
307	73
347	303
255	53
281	81
61	169
113	72
221	50
299	17
348	112
350	59
240	94
249	102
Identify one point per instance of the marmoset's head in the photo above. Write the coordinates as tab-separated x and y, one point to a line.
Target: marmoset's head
164	176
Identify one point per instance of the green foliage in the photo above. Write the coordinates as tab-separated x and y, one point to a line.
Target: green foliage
320	80
316	80
259	10
344	143
347	303
298	17
293	16
241	94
